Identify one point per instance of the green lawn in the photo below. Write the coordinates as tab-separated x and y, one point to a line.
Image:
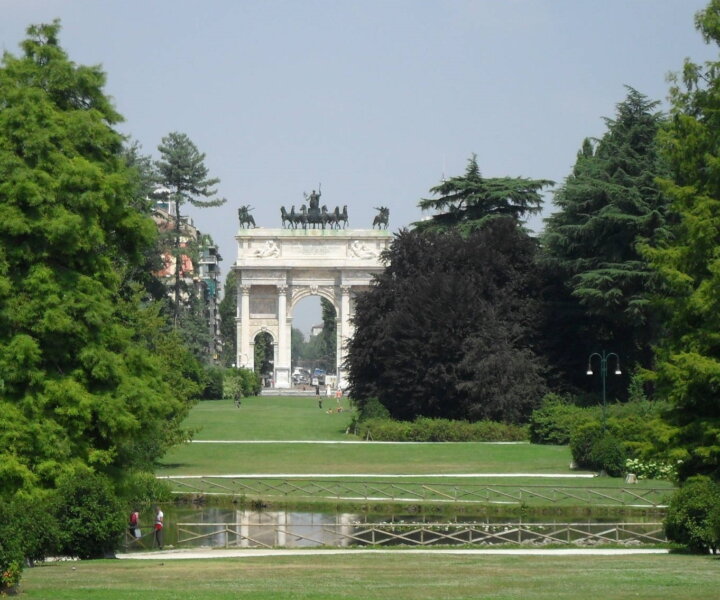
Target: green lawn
400	576
379	459
270	418
300	419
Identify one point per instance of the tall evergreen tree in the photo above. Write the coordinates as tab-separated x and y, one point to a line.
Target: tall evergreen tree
85	379
468	201
688	357
609	205
184	175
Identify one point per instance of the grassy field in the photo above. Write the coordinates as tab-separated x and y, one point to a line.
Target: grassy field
292	418
378	459
270	418
300	419
399	576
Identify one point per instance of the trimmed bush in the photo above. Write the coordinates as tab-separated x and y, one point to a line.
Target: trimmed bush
555	420
90	515
142	487
239	383
11	552
372	408
251	382
213	383
693	516
440	430
33	517
594	447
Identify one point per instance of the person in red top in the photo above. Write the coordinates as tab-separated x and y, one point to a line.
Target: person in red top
134	525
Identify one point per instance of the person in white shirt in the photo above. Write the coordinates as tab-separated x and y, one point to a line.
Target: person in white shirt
159	518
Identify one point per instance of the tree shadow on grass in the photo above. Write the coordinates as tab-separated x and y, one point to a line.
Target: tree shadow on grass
164	465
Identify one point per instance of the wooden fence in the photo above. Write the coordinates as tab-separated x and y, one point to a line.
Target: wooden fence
253	534
320	489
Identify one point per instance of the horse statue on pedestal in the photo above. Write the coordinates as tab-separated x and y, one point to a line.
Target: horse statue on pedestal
381	219
288	218
245	218
342	217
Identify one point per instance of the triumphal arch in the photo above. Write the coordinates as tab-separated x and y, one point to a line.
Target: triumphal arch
277	268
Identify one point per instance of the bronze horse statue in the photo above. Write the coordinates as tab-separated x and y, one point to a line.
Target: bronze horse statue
382	218
288	217
342	217
245	218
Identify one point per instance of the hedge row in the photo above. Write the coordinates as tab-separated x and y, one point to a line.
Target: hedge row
440	430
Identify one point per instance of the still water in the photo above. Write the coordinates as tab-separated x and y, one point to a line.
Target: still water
189	527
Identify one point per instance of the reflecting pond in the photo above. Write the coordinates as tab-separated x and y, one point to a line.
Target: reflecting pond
232	526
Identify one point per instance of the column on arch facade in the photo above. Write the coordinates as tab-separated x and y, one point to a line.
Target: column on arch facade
282	364
245	357
344	332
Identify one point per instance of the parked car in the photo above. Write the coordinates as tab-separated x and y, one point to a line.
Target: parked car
300	376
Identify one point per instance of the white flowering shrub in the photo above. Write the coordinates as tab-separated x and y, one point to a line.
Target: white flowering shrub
652	469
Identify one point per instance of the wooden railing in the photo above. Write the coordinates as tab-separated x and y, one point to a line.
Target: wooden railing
321	489
254	534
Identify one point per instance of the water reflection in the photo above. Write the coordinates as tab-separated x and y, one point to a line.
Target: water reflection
228	527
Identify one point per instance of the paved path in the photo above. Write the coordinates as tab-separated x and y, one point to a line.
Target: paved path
380	475
364	442
252	552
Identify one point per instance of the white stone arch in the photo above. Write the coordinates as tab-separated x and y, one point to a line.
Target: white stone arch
333	264
300	293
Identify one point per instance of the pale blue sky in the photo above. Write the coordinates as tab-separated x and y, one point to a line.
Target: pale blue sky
375	99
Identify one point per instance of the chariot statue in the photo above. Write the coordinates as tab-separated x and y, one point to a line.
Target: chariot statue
314	214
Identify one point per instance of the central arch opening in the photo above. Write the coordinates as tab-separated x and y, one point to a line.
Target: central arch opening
313	346
264	357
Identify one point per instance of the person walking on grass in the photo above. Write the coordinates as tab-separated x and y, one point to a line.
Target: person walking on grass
158	534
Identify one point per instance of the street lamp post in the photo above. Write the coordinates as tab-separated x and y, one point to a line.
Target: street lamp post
603	375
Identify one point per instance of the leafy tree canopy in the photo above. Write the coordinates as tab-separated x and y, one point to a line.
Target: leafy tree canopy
466	202
85	380
447	329
688	357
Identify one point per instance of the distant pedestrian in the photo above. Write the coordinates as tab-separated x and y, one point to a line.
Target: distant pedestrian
159	522
134	524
